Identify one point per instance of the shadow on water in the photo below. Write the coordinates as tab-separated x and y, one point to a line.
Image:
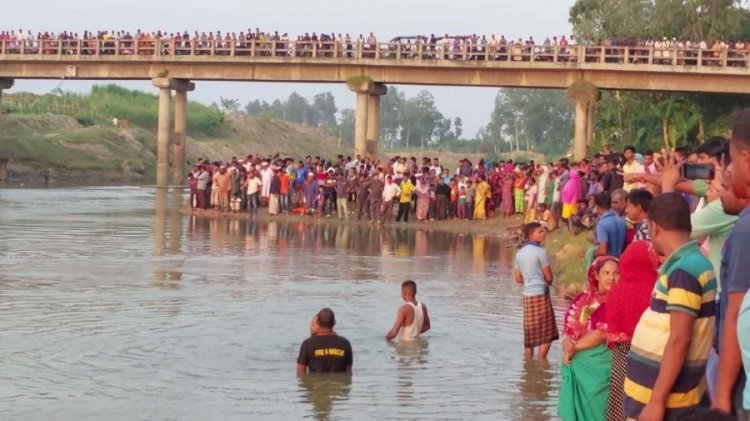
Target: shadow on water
538	382
411	358
323	391
168	232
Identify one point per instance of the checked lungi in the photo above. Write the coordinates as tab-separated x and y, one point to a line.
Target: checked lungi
539	325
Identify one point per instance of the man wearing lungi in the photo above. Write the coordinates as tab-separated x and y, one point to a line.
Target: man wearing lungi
533	270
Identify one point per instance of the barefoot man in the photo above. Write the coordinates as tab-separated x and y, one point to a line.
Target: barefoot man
532	269
412	318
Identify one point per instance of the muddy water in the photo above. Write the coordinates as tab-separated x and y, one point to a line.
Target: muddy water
114	306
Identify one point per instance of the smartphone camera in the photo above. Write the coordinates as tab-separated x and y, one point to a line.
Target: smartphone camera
698	171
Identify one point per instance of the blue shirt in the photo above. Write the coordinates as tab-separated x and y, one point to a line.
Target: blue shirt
531	260
735	267
611	228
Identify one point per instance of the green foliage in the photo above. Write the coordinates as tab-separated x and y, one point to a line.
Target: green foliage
533	119
107	101
357	81
653	120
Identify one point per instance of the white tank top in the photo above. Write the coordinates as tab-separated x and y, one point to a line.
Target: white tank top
410	332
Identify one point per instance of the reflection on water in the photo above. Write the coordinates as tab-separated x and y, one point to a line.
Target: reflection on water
113	304
322	391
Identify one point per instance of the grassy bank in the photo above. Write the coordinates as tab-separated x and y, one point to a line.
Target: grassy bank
567	253
70	137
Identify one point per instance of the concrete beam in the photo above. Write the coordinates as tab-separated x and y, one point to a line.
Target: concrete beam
181	85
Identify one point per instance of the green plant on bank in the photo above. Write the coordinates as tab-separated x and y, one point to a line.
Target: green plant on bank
163	73
105	102
357	81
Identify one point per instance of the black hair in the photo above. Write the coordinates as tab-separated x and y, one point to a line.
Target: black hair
671	212
641	197
326	318
529	229
410	285
715	147
648	152
603	200
630	148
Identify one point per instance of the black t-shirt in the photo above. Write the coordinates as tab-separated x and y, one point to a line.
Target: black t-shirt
325	354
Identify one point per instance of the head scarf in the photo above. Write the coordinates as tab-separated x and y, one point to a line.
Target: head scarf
587	310
630	297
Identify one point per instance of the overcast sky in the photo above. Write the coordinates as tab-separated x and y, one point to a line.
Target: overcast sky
387	18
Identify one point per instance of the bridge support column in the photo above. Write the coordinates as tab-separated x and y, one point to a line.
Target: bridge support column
581	130
166	86
360	124
373	119
3	169
179	140
5	83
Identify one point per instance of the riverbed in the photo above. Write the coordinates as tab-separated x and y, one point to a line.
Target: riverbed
114	305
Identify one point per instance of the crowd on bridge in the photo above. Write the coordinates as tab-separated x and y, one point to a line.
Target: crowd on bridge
662	332
665	50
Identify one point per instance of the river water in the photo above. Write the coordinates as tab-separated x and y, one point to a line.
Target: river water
115	306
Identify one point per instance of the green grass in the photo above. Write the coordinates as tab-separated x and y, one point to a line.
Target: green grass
74	134
107	101
568	266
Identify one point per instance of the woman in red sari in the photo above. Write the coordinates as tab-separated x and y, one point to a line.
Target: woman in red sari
626	303
507	192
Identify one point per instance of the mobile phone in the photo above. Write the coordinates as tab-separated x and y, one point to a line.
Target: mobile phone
698	171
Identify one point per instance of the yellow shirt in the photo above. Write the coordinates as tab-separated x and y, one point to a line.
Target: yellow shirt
407	188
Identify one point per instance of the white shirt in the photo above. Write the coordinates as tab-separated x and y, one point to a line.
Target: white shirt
253	185
391	190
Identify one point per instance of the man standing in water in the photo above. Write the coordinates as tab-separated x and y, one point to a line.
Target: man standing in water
412	318
533	270
325	351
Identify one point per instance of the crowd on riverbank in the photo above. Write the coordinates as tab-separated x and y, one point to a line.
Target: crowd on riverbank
455	47
663	330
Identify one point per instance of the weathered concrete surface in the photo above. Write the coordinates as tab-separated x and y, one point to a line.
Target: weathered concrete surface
162	134
417	72
179	139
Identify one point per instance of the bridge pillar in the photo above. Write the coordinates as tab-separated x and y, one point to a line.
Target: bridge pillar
360	124
581	130
165	86
5	83
3	169
373	119
179	140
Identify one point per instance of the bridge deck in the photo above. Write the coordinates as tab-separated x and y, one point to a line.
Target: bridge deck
636	68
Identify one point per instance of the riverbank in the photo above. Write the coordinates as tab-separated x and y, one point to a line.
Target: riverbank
565	249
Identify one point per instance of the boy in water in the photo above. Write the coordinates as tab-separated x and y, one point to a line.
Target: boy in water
412	318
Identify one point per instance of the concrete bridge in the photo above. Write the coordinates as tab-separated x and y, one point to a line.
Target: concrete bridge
367	68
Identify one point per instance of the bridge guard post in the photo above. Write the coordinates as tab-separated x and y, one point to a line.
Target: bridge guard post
581	129
373	119
5	83
179	140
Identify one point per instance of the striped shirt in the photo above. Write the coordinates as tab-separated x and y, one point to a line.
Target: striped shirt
686	283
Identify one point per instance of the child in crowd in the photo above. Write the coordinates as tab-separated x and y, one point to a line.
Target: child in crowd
546	218
461	211
454	199
471	192
531	194
235	203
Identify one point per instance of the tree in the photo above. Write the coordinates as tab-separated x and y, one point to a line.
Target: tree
346	126
297	109
229	105
458	127
324	109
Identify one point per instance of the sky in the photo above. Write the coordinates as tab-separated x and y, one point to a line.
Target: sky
386	18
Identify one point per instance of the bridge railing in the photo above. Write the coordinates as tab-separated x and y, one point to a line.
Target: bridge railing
396	51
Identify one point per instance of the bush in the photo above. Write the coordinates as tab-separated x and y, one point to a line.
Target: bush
84	120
